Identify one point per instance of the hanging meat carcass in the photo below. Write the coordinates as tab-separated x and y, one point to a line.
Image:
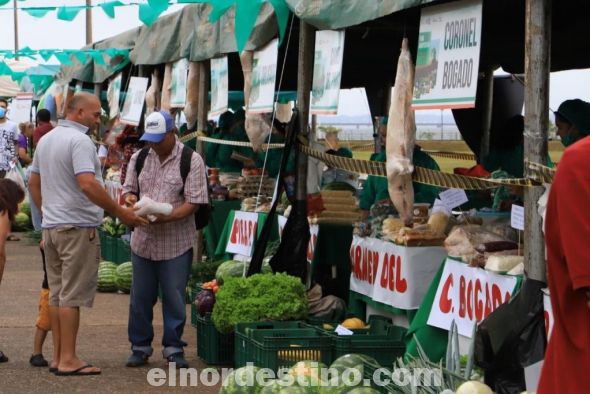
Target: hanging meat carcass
257	125
167	88
191	109
401	137
152	96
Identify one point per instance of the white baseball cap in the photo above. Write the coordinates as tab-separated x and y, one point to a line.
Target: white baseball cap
157	124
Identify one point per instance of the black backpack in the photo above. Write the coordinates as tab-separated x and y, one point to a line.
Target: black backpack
204	212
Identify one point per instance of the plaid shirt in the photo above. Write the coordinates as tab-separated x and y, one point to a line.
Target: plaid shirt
162	183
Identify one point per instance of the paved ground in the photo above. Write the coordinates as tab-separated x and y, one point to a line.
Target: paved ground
102	340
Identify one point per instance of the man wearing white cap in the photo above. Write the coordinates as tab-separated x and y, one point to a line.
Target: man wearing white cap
162	253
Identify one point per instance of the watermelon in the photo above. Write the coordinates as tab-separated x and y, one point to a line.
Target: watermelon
107	273
344	368
25	207
123	277
241	381
308	374
276	388
363	390
236	269
21	221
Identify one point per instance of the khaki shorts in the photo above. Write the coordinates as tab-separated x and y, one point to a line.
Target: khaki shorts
43	320
72	255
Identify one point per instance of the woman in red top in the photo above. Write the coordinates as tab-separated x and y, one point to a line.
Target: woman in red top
567	238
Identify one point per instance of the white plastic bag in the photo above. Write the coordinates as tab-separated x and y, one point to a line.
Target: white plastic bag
16	175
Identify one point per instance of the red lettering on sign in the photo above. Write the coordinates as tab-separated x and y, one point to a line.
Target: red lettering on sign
469	299
478	302
445	303
234	232
357	261
488	309
401	284
496	296
507	297
462	296
391	273
375	267
385	271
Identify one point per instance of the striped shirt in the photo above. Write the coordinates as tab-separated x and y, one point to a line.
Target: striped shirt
162	183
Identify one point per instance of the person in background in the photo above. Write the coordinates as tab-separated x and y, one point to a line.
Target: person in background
567	230
10	196
332	144
26	132
336	178
572	119
212	154
508	152
44	125
162	253
128	143
219	155
375	188
67	184
8	140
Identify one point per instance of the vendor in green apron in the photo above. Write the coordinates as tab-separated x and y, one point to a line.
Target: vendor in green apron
375	188
220	155
337	178
572	119
274	156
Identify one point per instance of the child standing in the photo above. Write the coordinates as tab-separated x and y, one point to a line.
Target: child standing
43	323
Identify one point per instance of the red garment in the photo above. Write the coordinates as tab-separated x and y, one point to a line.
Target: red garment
40	131
568	269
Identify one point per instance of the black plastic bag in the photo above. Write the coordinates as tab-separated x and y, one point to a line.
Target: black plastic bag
262	241
511	338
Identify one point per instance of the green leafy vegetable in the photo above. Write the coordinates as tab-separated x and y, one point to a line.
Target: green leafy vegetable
257	298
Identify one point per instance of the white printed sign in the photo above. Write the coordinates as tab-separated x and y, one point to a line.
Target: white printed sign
20	108
178	83
440	206
327	72
114	94
468	295
517	217
243	233
264	73
134	101
548	313
454	198
447	61
219	86
391	274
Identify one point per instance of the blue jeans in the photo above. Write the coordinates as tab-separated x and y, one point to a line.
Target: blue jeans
172	277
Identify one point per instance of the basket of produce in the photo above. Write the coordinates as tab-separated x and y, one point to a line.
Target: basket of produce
380	339
213	347
250	186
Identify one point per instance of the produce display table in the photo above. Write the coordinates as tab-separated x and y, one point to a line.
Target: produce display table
225	233
457	292
214	229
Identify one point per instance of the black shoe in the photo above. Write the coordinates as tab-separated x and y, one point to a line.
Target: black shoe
137	359
3	358
37	360
178	358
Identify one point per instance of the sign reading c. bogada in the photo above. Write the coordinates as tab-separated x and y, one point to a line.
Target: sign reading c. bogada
468	295
243	233
314	229
391	274
447	61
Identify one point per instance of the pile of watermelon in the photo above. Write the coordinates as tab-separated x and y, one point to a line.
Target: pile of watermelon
124	276
107	273
305	377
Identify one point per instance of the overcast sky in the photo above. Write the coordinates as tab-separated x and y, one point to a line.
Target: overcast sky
49	32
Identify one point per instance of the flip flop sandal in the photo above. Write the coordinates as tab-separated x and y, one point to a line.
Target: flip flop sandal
52	369
78	372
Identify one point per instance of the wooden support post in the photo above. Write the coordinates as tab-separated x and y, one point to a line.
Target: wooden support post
488	103
15	18
88	22
314	128
202	111
304	81
536	100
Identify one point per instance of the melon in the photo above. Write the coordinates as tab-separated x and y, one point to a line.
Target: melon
363	390
21	221
347	369
308	374
123	277
107	277
25	207
241	381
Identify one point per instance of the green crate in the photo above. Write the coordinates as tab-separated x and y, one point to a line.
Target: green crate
244	346
213	347
382	340
277	345
108	248
122	251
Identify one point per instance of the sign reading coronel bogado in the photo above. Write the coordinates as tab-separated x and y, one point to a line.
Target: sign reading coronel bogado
447	62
